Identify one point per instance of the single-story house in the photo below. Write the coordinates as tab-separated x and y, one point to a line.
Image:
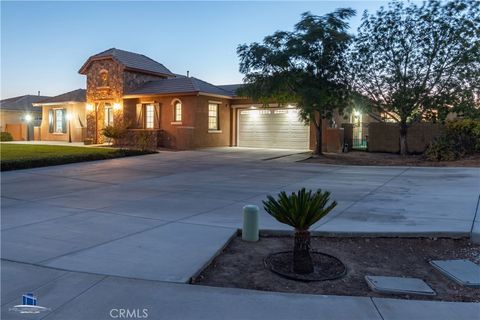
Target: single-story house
18	116
170	110
63	117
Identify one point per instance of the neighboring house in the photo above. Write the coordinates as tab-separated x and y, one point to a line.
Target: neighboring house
63	117
18	116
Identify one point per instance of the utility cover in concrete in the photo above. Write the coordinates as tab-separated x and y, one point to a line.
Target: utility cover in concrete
399	285
462	271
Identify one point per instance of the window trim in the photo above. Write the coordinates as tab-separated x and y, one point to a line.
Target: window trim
146	122
216	117
55	121
177	117
108	106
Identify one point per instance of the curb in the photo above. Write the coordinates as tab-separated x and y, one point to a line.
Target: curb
373	234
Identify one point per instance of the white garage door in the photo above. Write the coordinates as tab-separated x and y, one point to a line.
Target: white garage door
272	128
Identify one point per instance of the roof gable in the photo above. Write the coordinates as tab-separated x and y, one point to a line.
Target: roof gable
79	95
129	60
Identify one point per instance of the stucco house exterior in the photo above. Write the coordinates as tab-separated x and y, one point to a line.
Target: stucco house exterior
165	109
63	117
18	116
176	111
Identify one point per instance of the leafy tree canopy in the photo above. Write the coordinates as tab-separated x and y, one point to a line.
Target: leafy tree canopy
415	62
307	66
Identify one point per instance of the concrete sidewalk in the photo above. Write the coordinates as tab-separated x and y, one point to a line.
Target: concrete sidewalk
73	295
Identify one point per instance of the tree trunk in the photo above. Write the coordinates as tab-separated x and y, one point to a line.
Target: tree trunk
403	138
319	134
302	261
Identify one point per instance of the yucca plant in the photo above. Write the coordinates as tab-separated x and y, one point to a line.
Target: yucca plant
300	210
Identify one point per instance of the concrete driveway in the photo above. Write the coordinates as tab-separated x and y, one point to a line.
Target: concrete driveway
162	217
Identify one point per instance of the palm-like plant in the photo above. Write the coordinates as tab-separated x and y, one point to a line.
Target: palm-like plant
300	210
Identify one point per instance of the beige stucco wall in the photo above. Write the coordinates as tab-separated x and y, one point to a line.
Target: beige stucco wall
13	122
77	123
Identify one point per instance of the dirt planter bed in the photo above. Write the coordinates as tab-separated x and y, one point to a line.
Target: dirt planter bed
241	265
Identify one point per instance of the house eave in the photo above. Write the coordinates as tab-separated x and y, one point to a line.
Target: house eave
56	103
214	95
169	94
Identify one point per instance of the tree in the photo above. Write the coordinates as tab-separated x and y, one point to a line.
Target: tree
307	67
300	210
419	62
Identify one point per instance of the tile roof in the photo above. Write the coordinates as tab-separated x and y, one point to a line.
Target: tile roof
21	103
79	95
131	60
232	88
178	85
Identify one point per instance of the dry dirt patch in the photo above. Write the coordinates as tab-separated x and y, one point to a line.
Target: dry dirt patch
241	265
361	158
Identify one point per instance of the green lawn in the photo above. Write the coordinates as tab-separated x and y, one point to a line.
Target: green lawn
22	156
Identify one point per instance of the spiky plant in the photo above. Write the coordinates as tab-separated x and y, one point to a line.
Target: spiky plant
300	210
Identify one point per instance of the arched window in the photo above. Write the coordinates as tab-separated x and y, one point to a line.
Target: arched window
103	78
177	111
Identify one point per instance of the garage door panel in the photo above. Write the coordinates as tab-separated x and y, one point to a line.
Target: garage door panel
273	128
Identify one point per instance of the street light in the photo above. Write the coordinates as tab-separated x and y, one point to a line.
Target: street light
69	117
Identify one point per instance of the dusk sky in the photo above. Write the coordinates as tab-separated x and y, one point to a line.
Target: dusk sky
43	44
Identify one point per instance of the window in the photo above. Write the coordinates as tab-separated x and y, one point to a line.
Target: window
177	111
108	115
213	116
59	120
149	116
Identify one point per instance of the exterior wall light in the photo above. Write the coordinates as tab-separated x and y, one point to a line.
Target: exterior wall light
89	107
116	106
28	117
356	113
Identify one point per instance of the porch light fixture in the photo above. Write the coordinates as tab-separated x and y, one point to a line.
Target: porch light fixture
356	113
28	118
116	106
89	107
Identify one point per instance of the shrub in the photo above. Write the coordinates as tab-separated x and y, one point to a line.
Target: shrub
300	210
441	149
115	133
461	137
5	136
